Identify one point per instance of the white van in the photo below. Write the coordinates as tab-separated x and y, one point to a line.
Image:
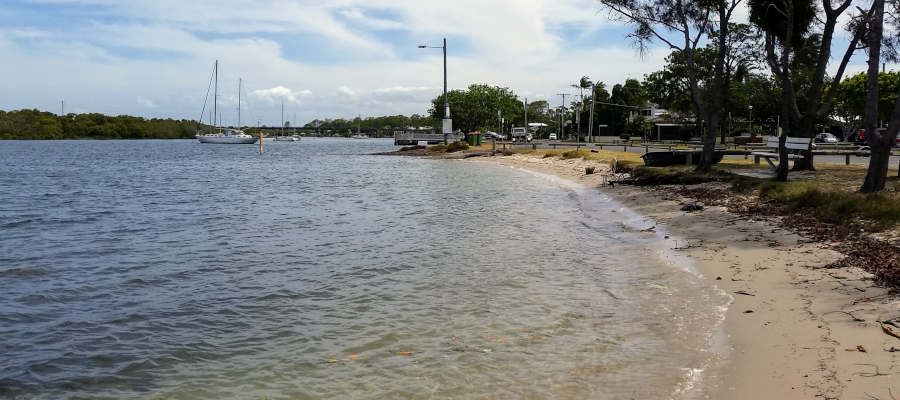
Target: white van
520	135
552	136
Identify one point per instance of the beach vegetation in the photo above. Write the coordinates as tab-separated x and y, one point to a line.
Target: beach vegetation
410	148
449	148
874	212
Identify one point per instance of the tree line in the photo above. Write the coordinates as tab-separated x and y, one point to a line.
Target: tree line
42	125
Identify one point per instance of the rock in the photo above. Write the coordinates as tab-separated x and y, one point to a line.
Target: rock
691	207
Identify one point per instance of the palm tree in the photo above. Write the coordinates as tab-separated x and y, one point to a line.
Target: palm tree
584	83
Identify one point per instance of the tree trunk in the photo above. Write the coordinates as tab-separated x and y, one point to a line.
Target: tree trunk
879	145
876	176
712	112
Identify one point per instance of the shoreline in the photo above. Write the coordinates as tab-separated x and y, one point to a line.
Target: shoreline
793	327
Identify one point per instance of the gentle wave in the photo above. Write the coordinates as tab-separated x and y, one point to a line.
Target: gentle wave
177	270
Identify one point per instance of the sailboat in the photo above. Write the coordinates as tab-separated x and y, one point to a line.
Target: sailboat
358	126
225	135
283	137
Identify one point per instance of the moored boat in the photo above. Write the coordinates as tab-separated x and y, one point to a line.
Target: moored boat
227	135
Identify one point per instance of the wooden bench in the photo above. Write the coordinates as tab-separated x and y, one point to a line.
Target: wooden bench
794	144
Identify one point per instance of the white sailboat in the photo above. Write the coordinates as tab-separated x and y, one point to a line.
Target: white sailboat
225	135
358	135
283	137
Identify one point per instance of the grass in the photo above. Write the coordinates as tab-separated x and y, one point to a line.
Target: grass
831	202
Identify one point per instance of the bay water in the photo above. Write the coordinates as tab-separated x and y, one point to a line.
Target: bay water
179	270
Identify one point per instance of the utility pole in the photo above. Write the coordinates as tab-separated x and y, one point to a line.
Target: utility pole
526	117
562	120
591	118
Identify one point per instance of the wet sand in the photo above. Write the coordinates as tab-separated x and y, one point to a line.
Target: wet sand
794	328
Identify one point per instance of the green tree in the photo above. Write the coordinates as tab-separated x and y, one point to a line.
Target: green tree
477	107
688	22
785	24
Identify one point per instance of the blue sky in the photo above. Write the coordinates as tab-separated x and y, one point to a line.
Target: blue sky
323	59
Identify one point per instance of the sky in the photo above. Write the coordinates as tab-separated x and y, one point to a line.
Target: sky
319	58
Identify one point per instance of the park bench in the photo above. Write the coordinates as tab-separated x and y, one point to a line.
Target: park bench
794	144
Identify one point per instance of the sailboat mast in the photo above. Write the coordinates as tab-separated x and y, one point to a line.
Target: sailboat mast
216	96
282	118
239	102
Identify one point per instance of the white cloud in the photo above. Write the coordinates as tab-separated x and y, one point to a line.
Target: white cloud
281	93
145	102
332	59
345	91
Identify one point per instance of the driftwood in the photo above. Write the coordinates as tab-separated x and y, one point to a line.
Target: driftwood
889	331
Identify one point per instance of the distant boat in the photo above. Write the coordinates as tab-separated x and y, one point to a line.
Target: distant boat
359	135
283	137
224	136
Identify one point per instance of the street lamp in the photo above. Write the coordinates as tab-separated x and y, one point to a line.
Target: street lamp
448	123
751	120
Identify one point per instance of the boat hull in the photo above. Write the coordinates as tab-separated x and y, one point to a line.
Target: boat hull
226	140
669	158
285	139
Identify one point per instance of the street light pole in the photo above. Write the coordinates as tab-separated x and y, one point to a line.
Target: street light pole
447	122
751	120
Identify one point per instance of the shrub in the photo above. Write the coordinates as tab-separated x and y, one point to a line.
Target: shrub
625	136
457	146
571	154
874	211
408	148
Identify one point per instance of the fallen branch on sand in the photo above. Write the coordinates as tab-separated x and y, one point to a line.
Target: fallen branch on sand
888	331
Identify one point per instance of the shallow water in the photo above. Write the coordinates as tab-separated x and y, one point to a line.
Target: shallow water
145	269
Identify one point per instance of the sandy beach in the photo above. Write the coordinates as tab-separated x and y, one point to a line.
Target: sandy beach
795	330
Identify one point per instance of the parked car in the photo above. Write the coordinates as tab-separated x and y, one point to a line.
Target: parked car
825	138
552	136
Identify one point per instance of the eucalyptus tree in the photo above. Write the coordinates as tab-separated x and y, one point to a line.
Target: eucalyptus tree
787	26
681	25
880	47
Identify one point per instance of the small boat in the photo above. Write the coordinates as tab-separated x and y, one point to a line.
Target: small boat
282	137
669	158
229	135
359	135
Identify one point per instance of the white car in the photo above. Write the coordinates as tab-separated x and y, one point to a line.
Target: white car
552	136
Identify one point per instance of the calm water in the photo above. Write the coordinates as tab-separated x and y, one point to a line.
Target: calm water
175	270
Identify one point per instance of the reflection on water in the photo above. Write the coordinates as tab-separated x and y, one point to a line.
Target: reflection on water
178	270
